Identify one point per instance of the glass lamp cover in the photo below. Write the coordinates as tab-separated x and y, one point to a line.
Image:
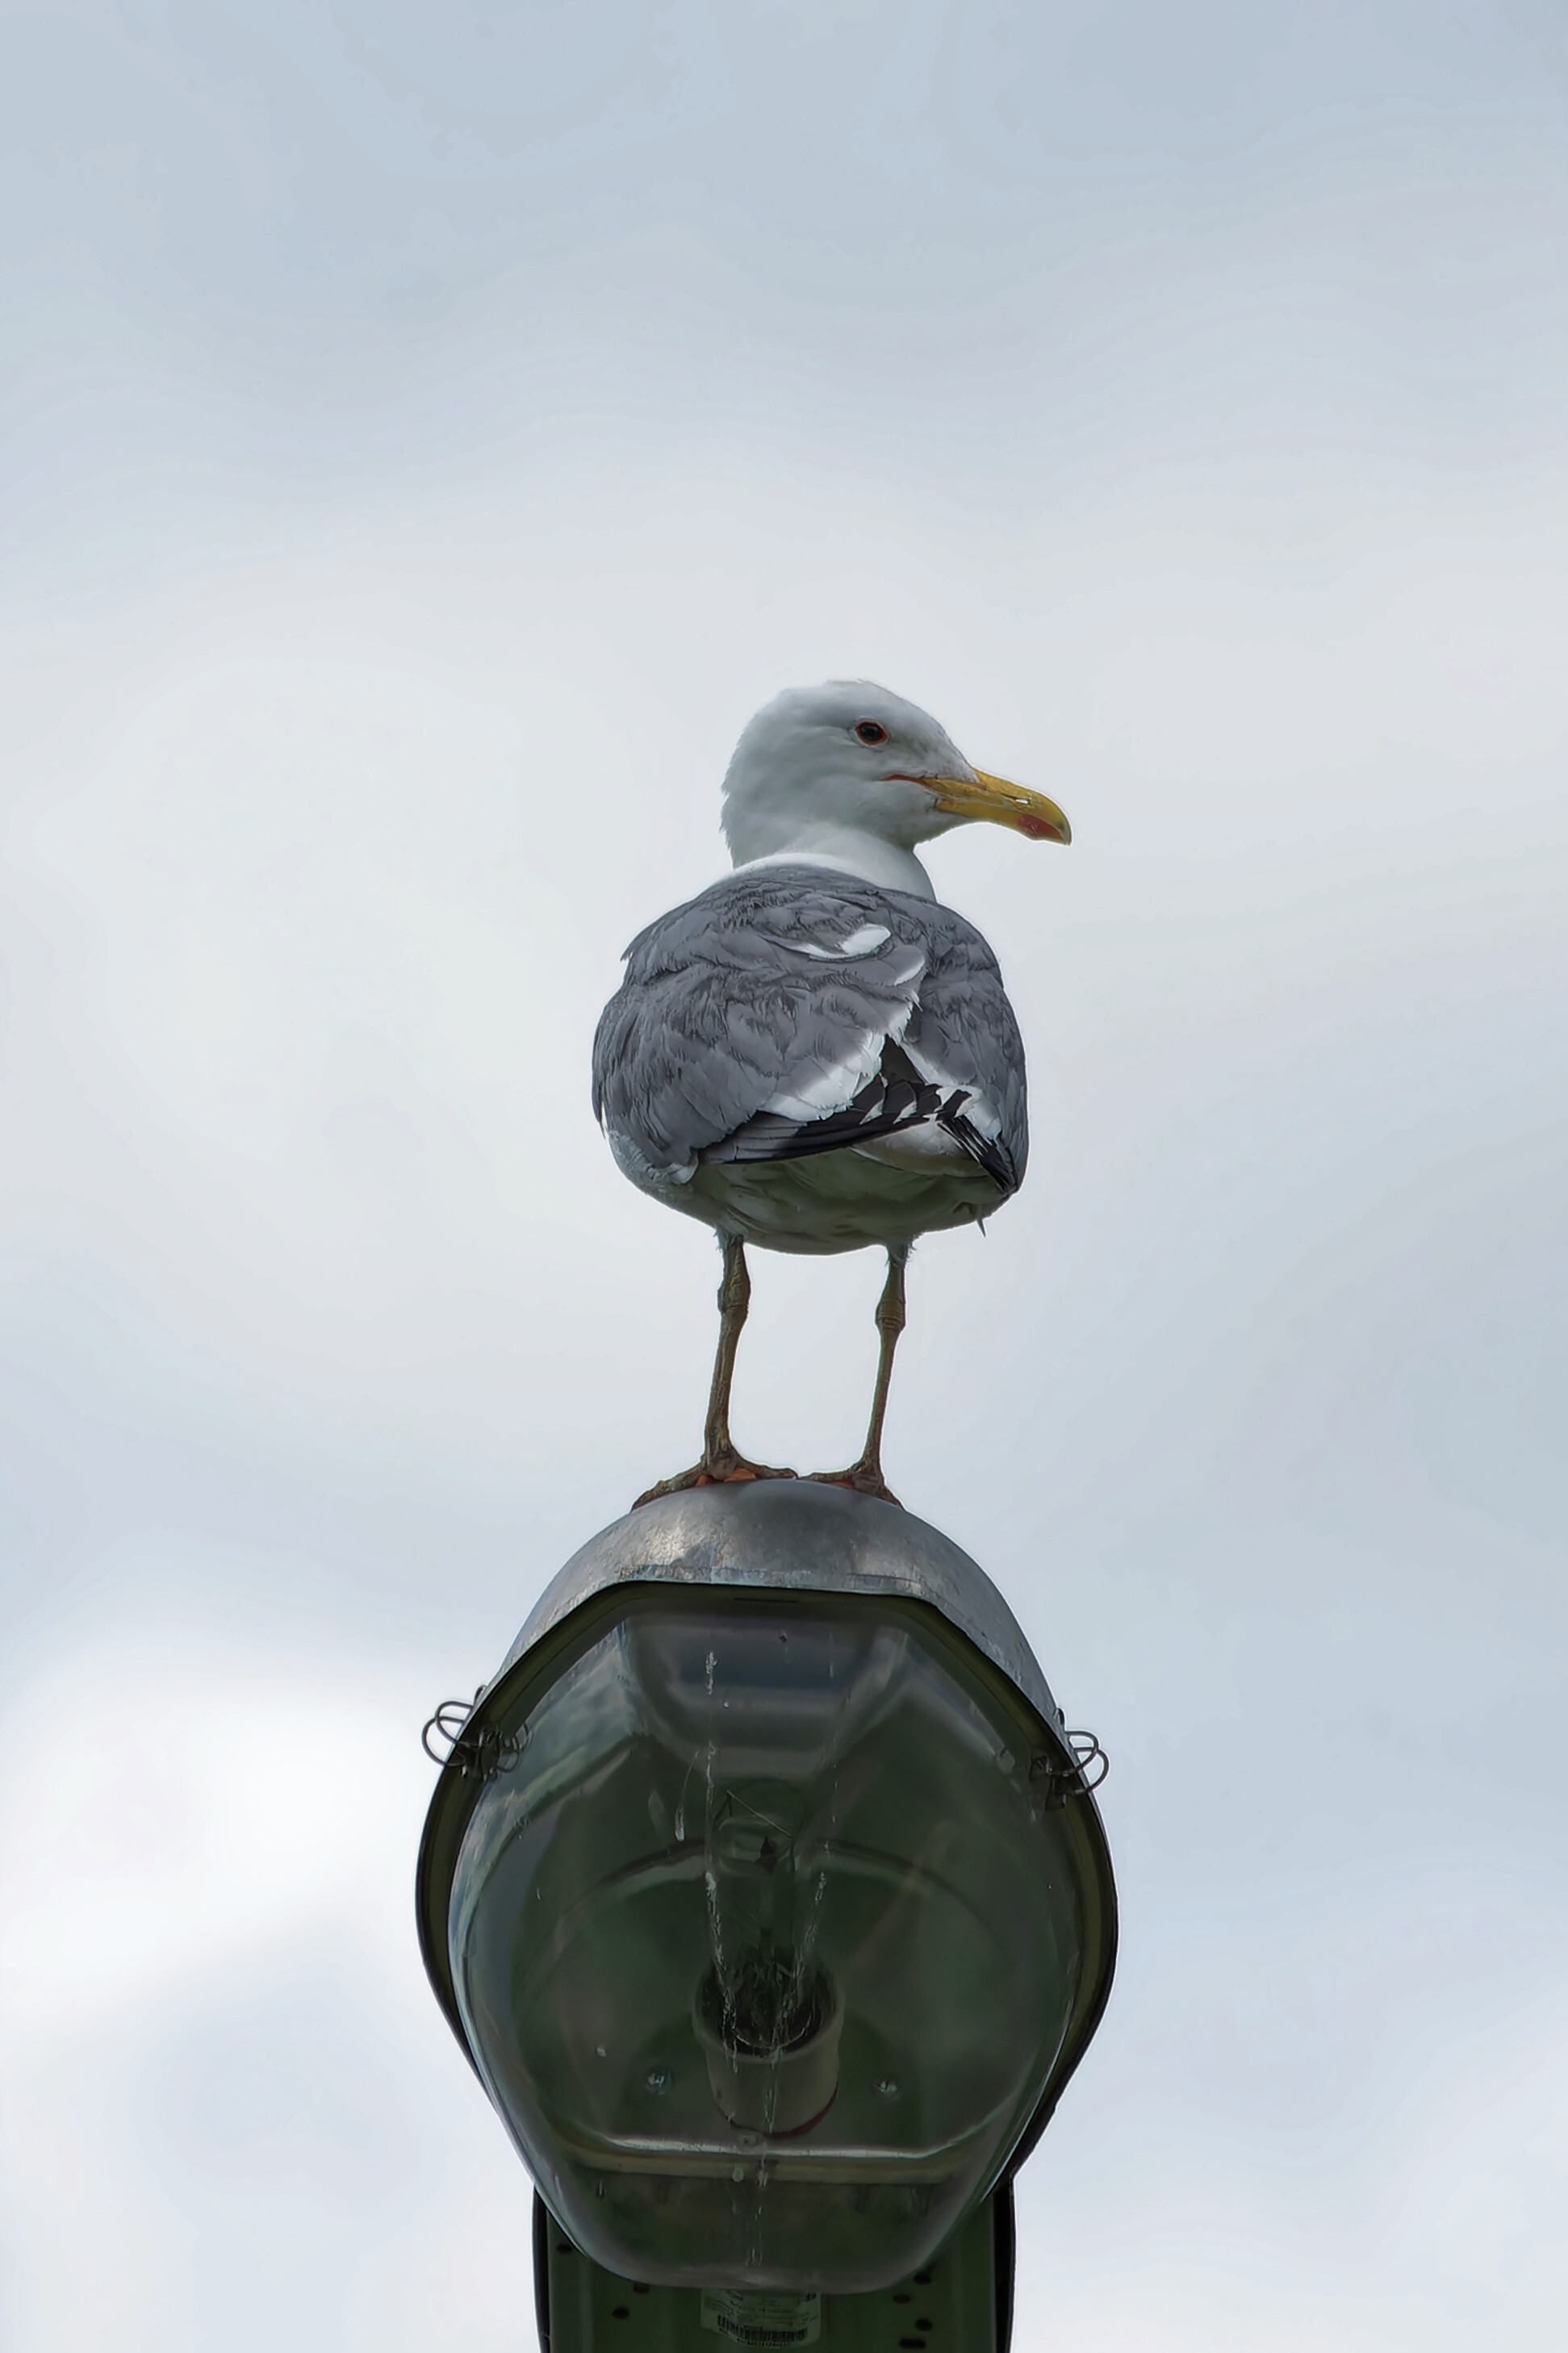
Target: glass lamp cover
765	1943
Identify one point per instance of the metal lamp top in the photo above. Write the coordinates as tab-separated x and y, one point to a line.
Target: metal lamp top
793	1535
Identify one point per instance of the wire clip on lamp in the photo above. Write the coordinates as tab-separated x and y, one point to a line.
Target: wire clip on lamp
765	1893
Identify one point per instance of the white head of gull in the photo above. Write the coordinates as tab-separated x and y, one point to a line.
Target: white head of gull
853	777
815	1055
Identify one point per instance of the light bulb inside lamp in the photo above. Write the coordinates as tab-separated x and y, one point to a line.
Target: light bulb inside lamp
768	2015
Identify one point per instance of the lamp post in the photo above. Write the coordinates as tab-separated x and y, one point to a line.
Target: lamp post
764	1889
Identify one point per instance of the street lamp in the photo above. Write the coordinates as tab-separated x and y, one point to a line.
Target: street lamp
764	1889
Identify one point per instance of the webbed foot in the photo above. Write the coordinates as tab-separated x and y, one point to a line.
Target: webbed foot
714	1470
864	1478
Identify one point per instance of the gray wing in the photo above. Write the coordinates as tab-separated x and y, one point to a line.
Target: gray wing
789	1012
964	1036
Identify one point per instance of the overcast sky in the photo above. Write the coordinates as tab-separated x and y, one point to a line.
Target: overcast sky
428	431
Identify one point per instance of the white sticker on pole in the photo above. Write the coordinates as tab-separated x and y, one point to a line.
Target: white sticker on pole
752	2316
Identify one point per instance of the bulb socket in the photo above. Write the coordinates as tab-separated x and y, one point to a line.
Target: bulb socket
775	2073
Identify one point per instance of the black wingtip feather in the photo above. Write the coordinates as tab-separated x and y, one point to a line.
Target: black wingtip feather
897	1098
878	1109
990	1152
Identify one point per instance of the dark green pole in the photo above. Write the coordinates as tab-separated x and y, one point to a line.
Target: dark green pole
961	2302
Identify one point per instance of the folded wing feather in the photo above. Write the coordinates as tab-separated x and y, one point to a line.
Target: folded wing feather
790	1012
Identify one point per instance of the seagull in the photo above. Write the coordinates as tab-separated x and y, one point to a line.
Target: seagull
814	1054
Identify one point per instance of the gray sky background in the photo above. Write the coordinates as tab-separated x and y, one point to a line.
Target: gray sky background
428	432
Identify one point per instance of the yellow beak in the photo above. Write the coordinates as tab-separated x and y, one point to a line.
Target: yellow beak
1000	803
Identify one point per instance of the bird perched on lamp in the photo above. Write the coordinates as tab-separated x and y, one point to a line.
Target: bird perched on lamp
814	1054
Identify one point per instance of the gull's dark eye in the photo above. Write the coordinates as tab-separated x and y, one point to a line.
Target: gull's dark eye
870	731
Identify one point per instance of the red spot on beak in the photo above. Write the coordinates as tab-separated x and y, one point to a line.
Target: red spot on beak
1035	828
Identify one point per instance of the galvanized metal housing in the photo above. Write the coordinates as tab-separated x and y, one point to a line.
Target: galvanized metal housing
797	1536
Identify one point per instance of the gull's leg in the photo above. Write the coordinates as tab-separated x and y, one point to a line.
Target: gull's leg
734	1306
866	1476
720	1460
